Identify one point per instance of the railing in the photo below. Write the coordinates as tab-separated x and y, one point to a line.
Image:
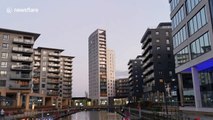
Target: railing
22	58
20	76
20	87
25	41
20	49
21	67
54	54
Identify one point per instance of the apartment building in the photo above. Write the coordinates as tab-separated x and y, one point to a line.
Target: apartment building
52	76
192	38
158	64
135	79
16	61
110	73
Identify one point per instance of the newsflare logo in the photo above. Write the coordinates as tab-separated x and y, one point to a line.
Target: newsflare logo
11	10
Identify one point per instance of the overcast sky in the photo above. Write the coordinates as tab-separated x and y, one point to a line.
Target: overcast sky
67	24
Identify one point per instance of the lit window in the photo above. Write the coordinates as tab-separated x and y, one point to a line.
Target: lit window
167	41
167	33
158	47
168	48
5	37
157	40
3	73
157	33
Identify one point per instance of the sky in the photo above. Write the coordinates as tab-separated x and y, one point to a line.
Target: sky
67	24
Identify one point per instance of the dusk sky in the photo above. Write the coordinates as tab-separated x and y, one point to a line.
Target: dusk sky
67	24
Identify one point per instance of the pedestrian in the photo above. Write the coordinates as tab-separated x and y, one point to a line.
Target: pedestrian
2	112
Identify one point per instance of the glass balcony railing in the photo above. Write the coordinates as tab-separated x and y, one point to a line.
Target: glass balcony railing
20	76
54	54
21	67
19	87
24	41
21	49
22	58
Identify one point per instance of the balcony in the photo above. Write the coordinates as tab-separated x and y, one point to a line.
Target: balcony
36	74
37	53
19	87
67	71
23	50
148	88
21	67
67	88
53	81
52	87
37	64
52	93
54	59
67	60
20	76
53	65
37	58
53	76
23	41
53	54
67	80
68	64
68	68
22	58
36	82
66	96
67	92
67	76
53	70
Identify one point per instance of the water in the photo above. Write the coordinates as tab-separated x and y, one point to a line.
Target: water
93	115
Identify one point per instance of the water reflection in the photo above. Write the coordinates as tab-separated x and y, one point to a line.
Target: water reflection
93	115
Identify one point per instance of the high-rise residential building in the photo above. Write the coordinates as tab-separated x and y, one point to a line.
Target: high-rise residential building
101	69
192	33
122	88
158	64
135	79
16	61
110	73
52	76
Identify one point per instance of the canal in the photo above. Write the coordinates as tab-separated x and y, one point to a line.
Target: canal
93	115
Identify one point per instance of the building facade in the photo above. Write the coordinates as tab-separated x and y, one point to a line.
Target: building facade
110	73
192	38
98	67
135	79
158	64
52	76
16	66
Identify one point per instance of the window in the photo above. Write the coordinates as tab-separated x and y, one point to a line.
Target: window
2	83
167	41
43	85
168	48
3	64
158	56
170	73
157	33
4	55
191	4
158	47
5	45
178	17
157	40
200	46
198	21
3	73
173	4
5	37
182	57
44	69
167	33
180	37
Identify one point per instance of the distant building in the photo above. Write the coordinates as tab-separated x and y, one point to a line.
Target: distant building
158	64
192	33
110	73
121	91
53	76
135	79
101	69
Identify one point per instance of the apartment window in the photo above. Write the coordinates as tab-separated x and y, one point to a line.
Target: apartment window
4	55
5	37
167	33
157	33
3	64
3	73
200	46
43	79
157	40
168	48
170	73
158	47
158	56
43	85
167	41
44	68
2	83
5	45
198	21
